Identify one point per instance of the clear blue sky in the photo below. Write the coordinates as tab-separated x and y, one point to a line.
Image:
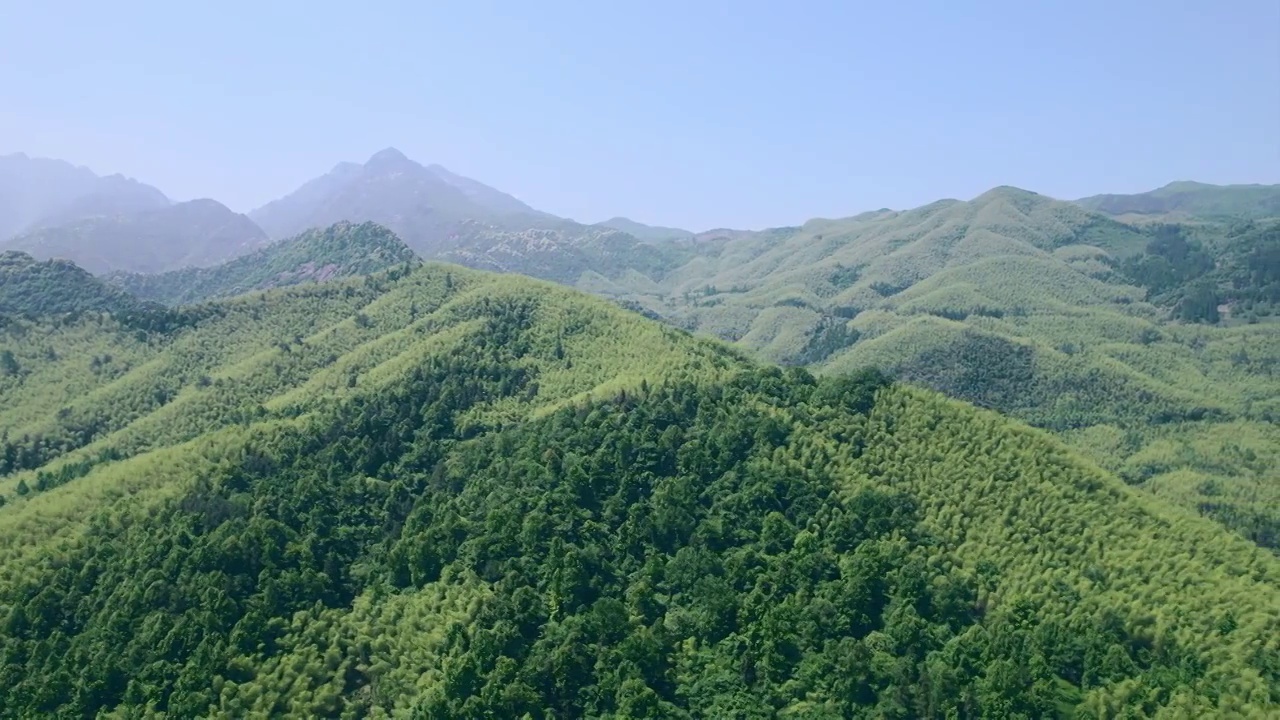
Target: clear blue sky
698	114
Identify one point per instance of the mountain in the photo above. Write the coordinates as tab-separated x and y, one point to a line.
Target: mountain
111	196
424	205
56	287
1192	199
483	196
647	233
1147	348
445	493
195	233
339	251
38	192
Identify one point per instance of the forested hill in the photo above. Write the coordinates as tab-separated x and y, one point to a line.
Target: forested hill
441	493
53	288
1153	348
339	251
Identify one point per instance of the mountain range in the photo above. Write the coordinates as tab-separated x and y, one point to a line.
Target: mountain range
432	491
38	192
1003	457
1069	316
424	205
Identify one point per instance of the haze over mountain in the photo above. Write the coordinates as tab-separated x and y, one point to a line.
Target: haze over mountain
424	205
649	233
39	192
194	233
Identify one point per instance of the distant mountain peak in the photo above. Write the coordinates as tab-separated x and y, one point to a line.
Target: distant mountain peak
423	205
197	232
647	233
1005	191
390	159
42	192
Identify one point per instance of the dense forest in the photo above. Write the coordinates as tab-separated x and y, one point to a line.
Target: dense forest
1238	271
434	492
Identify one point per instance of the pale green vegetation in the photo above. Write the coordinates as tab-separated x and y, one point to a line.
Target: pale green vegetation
1038	308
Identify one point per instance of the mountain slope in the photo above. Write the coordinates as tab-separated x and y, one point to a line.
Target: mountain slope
56	287
450	494
838	268
423	205
1034	307
340	251
484	196
38	192
195	233
1193	199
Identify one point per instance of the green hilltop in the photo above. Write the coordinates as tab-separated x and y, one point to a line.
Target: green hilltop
339	251
436	492
55	287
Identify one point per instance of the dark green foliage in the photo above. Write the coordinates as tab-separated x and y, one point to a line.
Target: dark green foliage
842	277
55	287
1241	269
653	554
984	369
636	307
1250	272
1171	260
829	336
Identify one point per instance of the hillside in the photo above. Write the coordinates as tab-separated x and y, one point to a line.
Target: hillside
56	287
592	258
446	493
1037	308
422	204
195	233
39	192
741	284
1192	199
340	251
